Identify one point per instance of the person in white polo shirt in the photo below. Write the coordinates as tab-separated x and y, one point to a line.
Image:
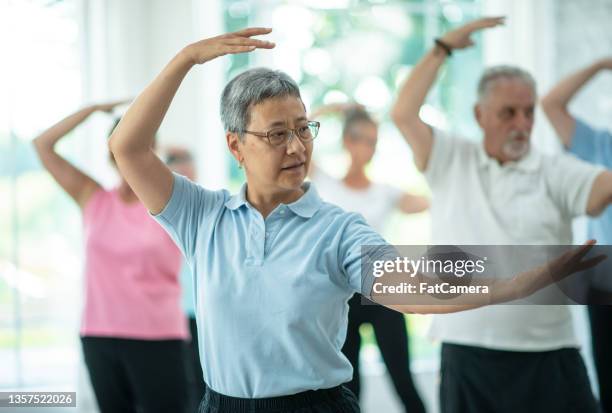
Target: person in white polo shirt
501	191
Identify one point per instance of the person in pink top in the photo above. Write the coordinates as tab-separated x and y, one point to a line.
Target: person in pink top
133	328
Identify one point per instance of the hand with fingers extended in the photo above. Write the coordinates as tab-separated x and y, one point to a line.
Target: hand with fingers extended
566	264
229	43
460	38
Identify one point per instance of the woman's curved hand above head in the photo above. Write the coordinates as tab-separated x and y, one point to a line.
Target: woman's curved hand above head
229	43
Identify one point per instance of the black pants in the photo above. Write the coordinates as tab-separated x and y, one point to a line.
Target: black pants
195	377
145	376
336	400
479	380
600	317
392	339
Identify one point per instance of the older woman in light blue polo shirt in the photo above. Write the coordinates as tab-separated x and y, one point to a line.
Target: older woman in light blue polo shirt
273	265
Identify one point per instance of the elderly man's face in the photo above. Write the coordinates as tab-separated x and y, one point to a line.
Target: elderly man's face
275	169
506	116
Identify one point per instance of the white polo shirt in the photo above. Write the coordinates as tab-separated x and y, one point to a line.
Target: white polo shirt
375	203
529	202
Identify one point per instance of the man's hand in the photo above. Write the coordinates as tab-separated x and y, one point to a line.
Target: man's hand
460	38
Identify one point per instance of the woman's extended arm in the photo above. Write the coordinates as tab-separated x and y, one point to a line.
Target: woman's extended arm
520	286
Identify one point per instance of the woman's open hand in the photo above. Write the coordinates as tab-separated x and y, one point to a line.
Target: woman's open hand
554	271
229	43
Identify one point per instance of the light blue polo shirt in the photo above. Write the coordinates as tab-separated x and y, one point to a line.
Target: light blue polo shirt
271	295
595	146
187	292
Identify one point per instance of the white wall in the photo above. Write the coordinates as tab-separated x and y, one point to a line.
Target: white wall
526	41
129	43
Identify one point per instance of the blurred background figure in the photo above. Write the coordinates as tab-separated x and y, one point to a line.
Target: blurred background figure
181	161
376	202
132	328
593	145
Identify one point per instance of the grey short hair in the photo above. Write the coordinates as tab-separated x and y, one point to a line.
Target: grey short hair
250	88
495	73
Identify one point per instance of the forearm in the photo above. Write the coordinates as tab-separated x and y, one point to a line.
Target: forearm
427	295
600	196
413	93
413	204
135	133
47	140
560	96
432	309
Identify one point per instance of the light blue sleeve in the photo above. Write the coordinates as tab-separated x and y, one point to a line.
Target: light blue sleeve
187	289
592	145
359	247
189	207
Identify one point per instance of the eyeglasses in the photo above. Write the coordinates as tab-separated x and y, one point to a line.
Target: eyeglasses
283	136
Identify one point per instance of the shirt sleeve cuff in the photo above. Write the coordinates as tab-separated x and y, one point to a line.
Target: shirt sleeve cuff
173	206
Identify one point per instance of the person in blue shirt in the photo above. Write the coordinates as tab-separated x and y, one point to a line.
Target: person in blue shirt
273	265
592	145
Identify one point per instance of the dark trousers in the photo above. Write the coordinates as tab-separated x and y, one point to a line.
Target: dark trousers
336	400
392	339
600	317
479	380
195	377
129	376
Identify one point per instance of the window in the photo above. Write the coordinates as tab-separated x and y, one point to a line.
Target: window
40	260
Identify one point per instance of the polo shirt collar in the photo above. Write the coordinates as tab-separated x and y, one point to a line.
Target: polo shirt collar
528	163
306	206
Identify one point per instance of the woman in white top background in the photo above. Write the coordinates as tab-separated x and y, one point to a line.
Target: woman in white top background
355	192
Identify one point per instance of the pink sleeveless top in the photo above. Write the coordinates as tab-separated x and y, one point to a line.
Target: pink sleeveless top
131	273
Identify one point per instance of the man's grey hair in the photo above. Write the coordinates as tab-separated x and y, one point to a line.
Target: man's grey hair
495	73
250	88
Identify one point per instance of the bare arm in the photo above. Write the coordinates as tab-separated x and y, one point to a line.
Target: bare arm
601	194
520	286
412	95
132	141
555	103
75	182
413	204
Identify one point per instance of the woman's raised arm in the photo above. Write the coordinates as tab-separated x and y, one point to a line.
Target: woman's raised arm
75	182
132	140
